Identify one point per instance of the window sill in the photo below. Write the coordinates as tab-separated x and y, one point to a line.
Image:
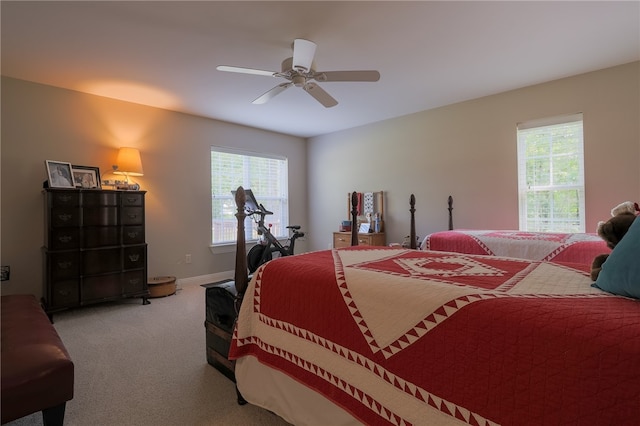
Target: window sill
229	248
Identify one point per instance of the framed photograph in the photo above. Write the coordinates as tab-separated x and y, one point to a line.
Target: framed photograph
60	174
86	177
364	228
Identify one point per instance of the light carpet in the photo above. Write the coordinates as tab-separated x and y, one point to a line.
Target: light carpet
146	365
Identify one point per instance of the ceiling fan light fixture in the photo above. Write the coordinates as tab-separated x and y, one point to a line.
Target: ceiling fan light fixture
303	53
298	80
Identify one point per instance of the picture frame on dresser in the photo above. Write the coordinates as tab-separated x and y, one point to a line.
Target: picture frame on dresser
86	177
60	174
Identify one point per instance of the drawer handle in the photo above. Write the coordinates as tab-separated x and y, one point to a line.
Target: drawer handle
65	238
132	199
64	217
132	234
134	257
65	198
132	215
341	239
134	281
65	265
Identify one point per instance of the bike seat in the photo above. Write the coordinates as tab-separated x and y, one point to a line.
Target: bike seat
293	227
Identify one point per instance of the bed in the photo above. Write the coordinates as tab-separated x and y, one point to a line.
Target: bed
379	335
547	246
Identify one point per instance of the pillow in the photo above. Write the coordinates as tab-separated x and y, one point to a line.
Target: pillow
620	273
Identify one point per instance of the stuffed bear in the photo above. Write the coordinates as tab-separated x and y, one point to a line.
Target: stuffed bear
613	230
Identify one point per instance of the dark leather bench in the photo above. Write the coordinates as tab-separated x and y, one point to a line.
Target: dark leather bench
37	373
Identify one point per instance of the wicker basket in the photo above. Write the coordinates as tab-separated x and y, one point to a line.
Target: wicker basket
162	286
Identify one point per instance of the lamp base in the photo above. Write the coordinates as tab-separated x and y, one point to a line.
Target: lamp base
128	187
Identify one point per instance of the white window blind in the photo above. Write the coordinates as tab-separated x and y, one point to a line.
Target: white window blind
551	175
264	174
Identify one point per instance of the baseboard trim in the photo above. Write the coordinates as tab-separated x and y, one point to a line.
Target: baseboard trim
205	279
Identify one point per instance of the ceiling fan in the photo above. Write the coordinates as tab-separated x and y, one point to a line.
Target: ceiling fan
299	71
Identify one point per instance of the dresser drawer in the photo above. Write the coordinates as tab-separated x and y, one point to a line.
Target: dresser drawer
100	216
101	236
99	198
132	235
134	257
375	239
132	216
101	287
134	283
132	199
341	239
64	239
64	198
65	293
64	264
62	217
100	261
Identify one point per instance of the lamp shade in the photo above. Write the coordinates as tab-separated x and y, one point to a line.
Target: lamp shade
129	162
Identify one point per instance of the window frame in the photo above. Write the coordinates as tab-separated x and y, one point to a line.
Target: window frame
278	203
553	222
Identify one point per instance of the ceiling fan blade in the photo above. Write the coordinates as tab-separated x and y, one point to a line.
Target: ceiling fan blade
368	75
246	70
303	53
320	95
272	93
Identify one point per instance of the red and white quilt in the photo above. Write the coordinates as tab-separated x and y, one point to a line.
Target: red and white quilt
408	337
548	246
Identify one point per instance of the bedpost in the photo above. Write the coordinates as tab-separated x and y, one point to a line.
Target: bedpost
354	218
450	202
412	234
241	278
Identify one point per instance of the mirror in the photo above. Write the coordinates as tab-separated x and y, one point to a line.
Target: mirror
370	210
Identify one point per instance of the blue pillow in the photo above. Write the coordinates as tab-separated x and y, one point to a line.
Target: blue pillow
620	273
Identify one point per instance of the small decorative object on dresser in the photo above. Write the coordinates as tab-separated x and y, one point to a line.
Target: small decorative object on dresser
86	177
59	173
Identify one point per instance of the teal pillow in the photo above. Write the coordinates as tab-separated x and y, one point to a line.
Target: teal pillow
620	273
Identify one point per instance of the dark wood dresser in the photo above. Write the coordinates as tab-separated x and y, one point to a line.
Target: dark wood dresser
94	248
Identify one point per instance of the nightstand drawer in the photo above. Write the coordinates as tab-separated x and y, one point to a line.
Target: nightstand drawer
341	239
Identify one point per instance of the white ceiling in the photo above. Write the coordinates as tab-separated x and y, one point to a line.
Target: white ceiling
429	54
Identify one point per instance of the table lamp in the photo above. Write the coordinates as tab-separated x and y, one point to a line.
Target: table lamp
129	164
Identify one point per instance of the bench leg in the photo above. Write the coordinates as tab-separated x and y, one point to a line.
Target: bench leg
54	416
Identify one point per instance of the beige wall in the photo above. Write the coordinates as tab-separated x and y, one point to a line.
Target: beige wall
468	150
45	123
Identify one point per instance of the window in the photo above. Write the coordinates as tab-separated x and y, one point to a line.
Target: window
265	175
551	175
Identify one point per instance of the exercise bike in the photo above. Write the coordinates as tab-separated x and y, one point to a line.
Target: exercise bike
267	244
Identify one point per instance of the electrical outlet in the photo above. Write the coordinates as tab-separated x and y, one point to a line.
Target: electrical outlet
187	258
5	271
